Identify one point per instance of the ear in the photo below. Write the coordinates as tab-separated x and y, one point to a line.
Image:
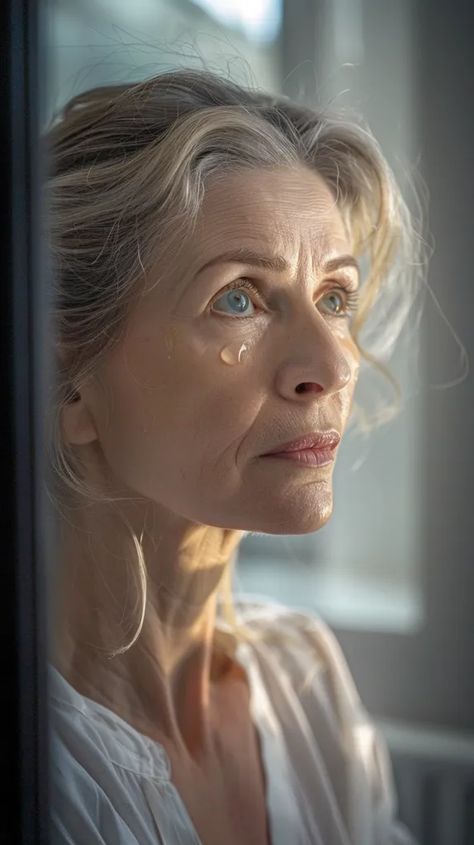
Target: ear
77	422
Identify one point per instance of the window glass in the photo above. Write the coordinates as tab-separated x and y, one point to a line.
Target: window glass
362	568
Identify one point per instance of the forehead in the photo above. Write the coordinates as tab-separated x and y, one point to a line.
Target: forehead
287	212
285	208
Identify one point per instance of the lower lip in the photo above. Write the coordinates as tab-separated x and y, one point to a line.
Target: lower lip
308	457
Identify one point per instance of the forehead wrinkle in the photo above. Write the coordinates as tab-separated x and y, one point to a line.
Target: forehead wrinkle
288	219
275	232
248	192
308	251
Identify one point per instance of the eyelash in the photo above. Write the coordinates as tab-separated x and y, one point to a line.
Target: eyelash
351	296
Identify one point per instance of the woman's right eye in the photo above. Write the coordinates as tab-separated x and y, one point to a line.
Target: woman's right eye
235	301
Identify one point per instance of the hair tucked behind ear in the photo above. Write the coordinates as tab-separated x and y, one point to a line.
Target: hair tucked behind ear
128	168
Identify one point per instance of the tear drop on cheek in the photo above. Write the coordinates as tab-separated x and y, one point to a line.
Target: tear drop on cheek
233	355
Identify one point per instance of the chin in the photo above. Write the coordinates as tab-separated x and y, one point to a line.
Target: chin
308	526
290	517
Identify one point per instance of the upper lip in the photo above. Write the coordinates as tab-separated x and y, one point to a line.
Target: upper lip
313	440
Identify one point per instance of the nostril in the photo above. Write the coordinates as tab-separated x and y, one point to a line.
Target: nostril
305	386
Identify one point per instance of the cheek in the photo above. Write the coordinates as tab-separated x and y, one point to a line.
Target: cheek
176	412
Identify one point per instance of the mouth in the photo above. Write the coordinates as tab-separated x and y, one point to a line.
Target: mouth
307	457
314	441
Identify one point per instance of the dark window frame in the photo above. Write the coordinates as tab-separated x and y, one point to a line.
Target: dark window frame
25	792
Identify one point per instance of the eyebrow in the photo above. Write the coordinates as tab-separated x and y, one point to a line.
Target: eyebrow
277	263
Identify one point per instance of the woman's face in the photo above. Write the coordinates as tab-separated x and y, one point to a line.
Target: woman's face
208	379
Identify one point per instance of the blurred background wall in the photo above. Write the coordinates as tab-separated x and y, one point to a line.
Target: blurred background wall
392	572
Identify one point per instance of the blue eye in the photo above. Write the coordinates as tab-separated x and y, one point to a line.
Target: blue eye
349	302
331	296
236	300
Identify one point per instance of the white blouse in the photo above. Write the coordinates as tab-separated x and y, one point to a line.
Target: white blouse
328	772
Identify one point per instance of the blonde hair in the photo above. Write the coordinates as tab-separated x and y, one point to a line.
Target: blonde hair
128	168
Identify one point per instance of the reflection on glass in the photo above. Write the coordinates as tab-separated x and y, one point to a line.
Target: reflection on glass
351	576
229	269
207	304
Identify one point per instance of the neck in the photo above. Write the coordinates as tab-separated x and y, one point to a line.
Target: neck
163	685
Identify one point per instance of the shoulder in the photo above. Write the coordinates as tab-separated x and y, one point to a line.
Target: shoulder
311	668
82	808
304	644
303	656
97	766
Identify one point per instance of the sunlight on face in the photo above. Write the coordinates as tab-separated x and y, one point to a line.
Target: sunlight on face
243	344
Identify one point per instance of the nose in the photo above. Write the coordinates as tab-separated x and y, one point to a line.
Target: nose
315	360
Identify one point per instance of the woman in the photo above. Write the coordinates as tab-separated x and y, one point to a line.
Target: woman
207	304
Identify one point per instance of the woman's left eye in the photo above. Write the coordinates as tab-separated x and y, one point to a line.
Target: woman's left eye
349	300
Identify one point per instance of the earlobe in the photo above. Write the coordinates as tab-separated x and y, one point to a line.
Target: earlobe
77	422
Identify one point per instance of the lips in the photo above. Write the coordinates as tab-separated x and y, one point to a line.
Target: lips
314	440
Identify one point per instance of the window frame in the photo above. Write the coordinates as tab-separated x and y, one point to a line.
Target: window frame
23	700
